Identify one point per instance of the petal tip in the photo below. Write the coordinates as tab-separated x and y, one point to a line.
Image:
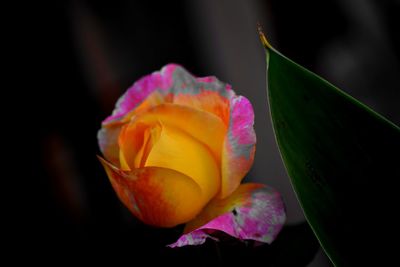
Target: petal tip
195	238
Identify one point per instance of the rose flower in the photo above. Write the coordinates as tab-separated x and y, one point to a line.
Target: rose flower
176	149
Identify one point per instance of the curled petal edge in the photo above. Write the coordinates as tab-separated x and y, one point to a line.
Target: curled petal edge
252	212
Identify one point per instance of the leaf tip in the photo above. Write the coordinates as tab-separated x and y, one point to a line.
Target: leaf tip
263	39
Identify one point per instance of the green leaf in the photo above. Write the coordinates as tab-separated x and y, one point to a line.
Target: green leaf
343	161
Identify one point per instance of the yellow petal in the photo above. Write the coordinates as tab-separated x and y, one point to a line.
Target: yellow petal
157	196
206	127
179	138
179	151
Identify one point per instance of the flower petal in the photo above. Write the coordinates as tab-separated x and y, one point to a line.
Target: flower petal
108	142
207	94
186	83
140	90
187	119
194	238
177	150
134	141
157	196
253	211
239	145
209	101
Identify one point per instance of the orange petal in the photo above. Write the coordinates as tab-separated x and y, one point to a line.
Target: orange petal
209	101
108	142
157	196
133	141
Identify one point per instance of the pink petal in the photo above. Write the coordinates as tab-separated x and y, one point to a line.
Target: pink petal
242	120
160	80
239	146
172	78
252	212
197	237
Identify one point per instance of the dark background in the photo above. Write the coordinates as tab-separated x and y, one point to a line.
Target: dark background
75	58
